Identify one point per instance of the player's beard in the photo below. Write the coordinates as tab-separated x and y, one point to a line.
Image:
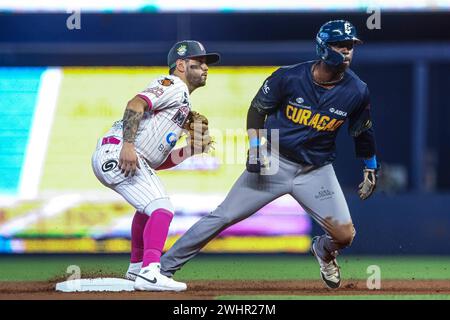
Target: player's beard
195	80
342	67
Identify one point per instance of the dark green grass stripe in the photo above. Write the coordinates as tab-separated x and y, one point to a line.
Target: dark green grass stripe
229	267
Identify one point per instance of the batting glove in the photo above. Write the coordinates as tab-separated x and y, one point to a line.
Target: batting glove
368	186
255	160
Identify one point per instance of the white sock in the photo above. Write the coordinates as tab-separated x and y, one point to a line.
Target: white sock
135	265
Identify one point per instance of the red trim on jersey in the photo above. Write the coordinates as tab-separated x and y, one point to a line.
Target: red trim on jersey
168	163
147	99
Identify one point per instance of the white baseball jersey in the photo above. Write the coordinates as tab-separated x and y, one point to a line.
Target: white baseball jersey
160	128
161	125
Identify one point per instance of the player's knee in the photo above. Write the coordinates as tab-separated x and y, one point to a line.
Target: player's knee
226	220
163	203
344	234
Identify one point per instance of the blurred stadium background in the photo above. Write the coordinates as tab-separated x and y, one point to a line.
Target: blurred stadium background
61	88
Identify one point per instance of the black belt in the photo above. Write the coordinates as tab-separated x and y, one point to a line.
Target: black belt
289	155
292	156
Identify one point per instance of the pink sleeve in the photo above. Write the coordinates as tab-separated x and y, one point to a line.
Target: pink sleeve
147	99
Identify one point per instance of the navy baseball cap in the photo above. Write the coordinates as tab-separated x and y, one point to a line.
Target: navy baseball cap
187	49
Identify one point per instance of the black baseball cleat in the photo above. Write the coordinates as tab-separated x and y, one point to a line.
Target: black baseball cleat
329	271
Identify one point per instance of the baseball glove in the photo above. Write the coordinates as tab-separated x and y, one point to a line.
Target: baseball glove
198	137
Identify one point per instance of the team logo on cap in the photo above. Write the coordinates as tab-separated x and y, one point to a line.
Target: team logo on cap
182	50
347	28
324	35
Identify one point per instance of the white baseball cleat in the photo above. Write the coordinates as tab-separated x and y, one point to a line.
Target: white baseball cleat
133	271
329	271
150	279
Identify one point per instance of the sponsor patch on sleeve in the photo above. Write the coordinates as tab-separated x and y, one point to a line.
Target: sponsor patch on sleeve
166	82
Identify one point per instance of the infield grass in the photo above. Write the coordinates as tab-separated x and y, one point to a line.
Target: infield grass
227	267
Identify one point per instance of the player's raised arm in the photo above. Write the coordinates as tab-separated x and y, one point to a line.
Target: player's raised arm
132	116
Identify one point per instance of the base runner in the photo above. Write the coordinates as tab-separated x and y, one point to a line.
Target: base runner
307	104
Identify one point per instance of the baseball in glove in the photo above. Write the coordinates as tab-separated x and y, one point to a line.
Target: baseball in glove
198	137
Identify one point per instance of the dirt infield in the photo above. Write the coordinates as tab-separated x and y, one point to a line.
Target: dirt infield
205	290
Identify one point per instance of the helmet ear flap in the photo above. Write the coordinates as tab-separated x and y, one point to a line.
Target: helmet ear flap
328	55
321	49
335	58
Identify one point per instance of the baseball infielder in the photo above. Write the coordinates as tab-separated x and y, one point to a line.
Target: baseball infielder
126	158
307	103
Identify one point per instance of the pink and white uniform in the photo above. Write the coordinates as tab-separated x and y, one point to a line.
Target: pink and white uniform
159	130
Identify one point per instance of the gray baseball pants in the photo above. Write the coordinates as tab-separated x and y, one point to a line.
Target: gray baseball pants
317	190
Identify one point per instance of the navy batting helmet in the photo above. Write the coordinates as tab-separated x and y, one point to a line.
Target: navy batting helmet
330	32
